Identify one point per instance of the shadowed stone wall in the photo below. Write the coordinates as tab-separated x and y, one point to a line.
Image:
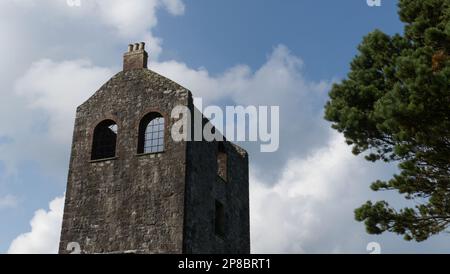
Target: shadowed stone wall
203	187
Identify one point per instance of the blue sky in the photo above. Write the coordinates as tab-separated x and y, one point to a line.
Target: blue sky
220	34
224	51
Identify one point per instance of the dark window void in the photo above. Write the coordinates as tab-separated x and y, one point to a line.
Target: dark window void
151	133
104	142
222	160
219	222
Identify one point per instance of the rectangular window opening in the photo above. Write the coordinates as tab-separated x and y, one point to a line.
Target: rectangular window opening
222	160
219	219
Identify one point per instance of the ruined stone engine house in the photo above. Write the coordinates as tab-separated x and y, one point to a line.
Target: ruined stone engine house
132	189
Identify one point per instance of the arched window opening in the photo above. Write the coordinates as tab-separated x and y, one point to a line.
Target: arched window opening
151	133
104	142
222	162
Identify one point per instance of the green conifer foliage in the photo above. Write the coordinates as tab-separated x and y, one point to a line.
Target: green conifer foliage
394	106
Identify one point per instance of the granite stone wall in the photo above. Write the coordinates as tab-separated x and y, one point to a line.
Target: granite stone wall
130	202
150	203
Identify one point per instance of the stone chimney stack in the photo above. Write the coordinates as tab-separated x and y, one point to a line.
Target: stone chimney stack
136	57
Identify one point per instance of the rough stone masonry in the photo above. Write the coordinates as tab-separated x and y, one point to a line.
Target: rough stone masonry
186	197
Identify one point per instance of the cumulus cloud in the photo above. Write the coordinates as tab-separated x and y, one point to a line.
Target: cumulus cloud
130	18
39	94
117	22
45	231
43	102
302	206
279	82
57	88
135	17
42	93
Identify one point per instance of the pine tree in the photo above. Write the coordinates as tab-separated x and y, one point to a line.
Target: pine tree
394	106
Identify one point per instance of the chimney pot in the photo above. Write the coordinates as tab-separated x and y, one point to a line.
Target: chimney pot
136	57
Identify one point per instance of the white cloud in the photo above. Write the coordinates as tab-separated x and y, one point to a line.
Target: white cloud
118	22
8	201
58	88
310	209
135	17
130	18
45	231
38	115
134	20
39	95
279	82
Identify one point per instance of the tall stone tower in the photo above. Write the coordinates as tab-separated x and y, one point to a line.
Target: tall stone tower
133	189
